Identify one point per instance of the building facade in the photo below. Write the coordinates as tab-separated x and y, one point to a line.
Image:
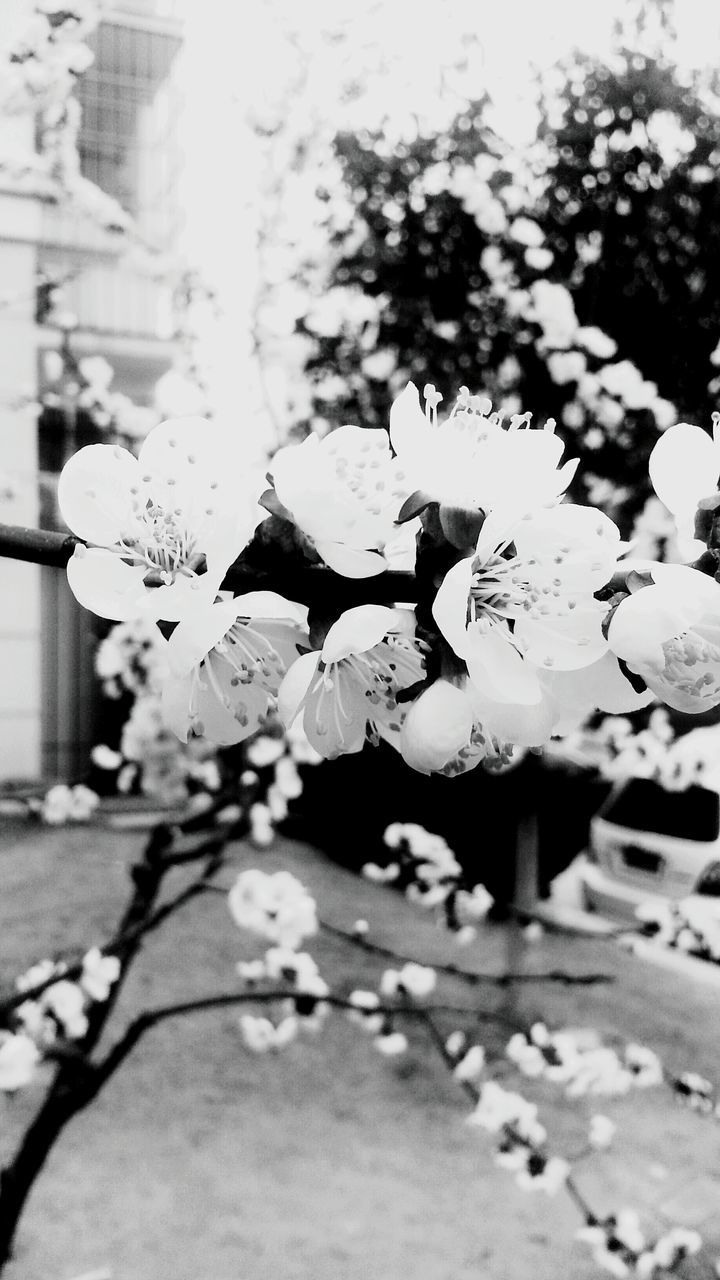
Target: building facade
114	303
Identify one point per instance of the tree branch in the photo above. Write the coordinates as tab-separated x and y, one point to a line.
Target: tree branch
467	975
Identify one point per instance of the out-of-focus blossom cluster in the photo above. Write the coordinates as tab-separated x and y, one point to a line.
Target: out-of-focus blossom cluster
275	905
56	1009
63	804
425	868
578	1060
522	1140
620	751
131	659
622	1249
297	972
691	925
41	61
87	381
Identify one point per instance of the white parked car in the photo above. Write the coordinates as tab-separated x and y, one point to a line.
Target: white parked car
649	843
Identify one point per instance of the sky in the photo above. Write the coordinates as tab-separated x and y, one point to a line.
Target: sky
397	50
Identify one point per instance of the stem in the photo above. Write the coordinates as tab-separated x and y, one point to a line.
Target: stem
467	975
308	584
225	1000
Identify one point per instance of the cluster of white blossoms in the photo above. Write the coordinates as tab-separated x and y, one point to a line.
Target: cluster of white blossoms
578	1060
690	925
55	1009
622	1249
425	868
276	906
63	804
42	61
522	1140
522	648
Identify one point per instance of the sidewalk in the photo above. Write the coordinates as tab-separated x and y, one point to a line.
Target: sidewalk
203	1162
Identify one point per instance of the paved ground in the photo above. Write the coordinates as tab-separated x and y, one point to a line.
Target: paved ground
201	1162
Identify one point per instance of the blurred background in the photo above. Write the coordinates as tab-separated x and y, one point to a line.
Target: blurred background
279	222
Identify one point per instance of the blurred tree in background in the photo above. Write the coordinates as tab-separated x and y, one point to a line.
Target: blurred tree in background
575	280
633	150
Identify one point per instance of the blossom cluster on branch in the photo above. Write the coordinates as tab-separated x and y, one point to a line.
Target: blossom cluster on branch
516	635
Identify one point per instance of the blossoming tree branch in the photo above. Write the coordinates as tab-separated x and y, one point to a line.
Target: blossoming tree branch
517	633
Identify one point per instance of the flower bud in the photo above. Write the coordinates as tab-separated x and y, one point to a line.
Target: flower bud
437	725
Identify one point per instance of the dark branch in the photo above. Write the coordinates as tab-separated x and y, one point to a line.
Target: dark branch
308	584
467	975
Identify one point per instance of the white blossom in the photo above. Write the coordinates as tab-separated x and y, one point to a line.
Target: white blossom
344	493
277	906
99	973
163	527
348	689
19	1056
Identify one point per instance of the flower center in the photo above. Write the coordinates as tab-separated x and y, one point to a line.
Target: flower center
692	665
162	541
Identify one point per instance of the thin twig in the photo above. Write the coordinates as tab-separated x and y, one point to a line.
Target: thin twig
152	1017
467	975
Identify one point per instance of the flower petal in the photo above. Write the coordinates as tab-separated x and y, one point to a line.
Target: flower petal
269	604
349	561
437	725
357	630
228	712
409	428
94	493
198	633
566	640
102	583
450	606
496	668
684	467
295	686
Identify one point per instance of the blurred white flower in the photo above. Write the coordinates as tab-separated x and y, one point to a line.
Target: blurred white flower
539	259
277	906
99	974
19	1056
261	1035
66	1001
527	232
392	1044
566	366
596	342
103	757
551	306
471	1065
601	1133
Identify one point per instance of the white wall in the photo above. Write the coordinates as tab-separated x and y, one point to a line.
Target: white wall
19	583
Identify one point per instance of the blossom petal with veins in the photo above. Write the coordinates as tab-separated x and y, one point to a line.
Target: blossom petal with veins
227	662
344	493
164	526
347	691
